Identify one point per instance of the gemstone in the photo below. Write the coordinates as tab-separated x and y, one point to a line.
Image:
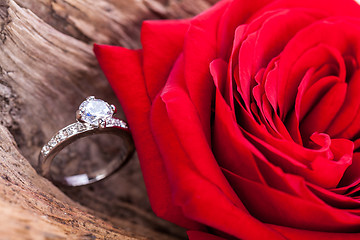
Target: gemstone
123	124
53	142
45	150
81	127
60	136
68	131
94	110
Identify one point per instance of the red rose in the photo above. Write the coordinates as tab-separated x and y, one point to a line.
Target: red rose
246	118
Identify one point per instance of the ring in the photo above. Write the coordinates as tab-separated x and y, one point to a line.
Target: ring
94	116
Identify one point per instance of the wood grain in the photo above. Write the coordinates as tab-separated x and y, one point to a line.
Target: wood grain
47	68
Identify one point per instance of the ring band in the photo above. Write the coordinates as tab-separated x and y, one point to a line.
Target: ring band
94	116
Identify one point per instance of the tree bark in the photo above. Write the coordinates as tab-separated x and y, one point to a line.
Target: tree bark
47	68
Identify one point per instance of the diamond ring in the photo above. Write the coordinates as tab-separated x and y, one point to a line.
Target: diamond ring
94	116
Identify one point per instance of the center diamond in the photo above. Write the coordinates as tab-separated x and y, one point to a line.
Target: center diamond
92	110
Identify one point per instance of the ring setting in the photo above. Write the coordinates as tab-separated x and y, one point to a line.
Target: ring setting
95	111
93	116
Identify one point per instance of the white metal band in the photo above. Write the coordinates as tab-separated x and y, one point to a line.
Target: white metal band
76	131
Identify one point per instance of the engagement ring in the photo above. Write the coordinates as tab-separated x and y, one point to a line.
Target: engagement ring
94	116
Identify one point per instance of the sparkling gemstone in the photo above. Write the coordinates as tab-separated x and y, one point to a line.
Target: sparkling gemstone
68	132
52	142
93	110
60	136
45	149
81	127
123	124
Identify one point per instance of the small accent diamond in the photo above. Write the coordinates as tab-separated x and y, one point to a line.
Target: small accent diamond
60	136
81	127
52	142
123	124
45	150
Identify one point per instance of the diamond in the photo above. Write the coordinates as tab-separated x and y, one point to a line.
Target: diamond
81	127
94	111
112	122
123	124
52	142
45	150
64	133
59	137
68	132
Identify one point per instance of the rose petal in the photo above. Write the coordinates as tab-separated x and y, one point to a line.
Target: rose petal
162	43
197	56
233	65
181	111
237	13
292	123
286	210
321	115
352	174
324	32
239	155
314	165
301	234
229	154
313	95
198	196
136	105
271	82
333	199
196	235
349	109
260	46
331	7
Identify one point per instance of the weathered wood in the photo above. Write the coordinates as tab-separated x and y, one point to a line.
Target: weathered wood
32	208
46	69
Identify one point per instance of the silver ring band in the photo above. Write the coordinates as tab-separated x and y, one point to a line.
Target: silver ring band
80	129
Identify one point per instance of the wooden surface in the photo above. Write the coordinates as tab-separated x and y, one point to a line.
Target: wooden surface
47	68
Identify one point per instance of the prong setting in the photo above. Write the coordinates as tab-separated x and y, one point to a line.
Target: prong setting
78	115
90	98
95	112
113	108
101	123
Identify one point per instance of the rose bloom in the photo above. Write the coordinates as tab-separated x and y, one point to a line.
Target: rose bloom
246	118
